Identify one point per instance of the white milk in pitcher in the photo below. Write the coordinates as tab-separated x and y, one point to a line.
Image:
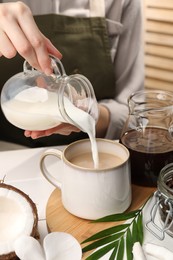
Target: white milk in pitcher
37	109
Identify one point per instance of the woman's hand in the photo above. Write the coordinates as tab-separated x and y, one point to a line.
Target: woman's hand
19	33
66	129
103	121
62	129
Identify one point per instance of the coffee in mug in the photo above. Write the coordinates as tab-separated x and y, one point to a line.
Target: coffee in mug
106	160
90	192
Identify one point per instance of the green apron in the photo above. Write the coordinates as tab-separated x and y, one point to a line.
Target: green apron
85	47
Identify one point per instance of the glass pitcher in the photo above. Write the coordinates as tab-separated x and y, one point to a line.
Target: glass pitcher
32	100
148	134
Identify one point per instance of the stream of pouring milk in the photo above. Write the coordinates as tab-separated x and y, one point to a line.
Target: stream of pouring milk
37	109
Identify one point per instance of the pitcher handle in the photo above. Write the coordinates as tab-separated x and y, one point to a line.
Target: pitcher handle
56	64
50	152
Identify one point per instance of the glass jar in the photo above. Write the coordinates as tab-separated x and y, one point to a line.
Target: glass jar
32	100
148	134
163	205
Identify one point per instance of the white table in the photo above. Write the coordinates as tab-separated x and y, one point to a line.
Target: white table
20	168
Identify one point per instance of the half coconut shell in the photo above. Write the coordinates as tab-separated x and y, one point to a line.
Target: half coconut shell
18	216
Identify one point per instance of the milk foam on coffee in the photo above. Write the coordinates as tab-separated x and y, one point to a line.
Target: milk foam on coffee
36	108
106	160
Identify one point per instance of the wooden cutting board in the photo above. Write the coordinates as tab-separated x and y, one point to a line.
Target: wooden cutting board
59	219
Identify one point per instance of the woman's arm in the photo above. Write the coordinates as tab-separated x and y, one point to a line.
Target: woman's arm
128	64
129	73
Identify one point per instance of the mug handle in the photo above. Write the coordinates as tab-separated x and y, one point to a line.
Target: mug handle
44	170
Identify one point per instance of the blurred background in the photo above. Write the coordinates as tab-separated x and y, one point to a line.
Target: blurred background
158	44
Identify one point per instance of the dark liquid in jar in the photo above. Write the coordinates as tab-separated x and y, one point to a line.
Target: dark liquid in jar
150	150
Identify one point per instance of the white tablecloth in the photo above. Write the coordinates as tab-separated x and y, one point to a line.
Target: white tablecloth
20	168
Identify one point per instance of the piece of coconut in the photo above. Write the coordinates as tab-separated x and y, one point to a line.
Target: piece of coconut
28	248
56	246
61	246
18	216
138	253
159	252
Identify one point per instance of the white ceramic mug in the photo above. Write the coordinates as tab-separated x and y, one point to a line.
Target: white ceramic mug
88	192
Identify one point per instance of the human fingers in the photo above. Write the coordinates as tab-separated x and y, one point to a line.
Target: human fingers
14	40
20	34
52	49
63	129
6	47
39	43
34	134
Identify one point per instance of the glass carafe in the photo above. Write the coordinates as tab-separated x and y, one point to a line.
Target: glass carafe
148	134
32	100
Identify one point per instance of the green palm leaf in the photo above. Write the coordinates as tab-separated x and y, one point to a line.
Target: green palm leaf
113	255
120	253
119	238
140	228
129	245
135	237
101	252
102	241
118	217
106	232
